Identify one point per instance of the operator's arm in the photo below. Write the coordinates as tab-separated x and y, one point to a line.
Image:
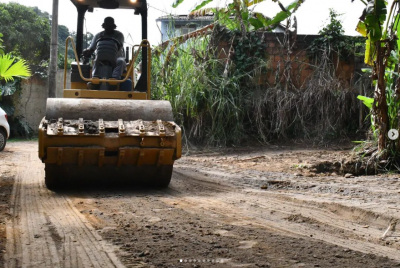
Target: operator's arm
89	51
120	37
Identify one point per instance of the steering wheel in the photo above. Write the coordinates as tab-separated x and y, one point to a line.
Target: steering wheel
119	45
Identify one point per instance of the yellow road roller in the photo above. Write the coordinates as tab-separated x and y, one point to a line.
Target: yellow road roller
112	132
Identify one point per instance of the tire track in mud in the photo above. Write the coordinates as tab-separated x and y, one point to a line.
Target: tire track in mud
329	222
45	229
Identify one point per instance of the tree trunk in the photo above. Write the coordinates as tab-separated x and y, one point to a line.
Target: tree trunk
397	98
380	105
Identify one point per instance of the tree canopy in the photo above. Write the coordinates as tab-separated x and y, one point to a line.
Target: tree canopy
25	33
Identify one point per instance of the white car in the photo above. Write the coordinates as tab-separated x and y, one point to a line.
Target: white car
4	129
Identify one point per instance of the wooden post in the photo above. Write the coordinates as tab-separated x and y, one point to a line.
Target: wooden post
53	52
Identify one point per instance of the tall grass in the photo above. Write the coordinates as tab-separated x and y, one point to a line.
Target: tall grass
208	104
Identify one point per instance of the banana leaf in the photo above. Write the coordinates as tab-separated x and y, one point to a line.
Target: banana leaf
367	101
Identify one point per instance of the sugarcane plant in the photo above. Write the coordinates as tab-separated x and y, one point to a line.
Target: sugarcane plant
381	27
206	93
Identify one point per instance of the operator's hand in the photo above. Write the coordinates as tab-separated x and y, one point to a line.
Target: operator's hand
87	53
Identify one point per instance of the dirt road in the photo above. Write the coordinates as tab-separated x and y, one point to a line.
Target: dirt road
245	208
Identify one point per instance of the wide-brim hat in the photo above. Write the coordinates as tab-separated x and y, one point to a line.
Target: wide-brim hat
109	21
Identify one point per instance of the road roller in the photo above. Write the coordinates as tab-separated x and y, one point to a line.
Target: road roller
115	133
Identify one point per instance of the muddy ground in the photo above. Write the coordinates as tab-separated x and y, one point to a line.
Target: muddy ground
6	186
247	207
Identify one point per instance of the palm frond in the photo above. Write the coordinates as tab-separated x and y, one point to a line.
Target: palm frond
10	68
5	63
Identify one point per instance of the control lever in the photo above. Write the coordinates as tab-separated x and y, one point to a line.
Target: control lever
127	55
85	60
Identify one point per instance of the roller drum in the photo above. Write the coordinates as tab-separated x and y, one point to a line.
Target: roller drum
108	110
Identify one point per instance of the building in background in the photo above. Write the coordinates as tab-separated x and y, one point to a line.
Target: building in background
172	26
177	25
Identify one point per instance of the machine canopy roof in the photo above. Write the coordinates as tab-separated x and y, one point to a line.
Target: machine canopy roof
109	4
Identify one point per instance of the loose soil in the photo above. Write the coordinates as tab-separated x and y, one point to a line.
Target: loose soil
7	174
248	207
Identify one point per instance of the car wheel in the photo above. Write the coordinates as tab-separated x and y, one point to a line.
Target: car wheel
3	140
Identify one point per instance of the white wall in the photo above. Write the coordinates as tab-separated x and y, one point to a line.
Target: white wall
31	102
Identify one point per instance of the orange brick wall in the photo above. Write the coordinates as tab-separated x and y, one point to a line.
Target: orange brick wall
302	67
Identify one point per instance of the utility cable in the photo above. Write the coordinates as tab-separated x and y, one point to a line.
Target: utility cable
163	11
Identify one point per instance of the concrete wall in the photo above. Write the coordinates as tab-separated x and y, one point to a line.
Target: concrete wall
168	27
31	102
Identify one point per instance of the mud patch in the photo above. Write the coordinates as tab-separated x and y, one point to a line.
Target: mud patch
326	166
58	240
279	184
298	218
91	127
352	166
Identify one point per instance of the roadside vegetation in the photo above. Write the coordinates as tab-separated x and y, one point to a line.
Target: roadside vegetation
220	97
25	46
12	70
379	23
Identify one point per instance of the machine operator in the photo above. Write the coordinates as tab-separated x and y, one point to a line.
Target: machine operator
109	31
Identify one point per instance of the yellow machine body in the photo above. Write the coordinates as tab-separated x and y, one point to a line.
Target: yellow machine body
93	135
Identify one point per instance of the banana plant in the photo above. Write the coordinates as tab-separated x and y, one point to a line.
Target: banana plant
382	52
371	25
